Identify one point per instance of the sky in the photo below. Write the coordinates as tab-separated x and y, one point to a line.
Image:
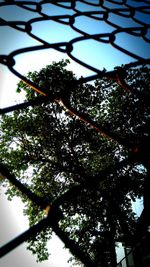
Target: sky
96	54
12	224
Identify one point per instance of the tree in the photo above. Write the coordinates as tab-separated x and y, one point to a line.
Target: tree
89	134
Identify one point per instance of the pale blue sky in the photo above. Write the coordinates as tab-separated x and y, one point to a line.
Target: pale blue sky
97	54
13	223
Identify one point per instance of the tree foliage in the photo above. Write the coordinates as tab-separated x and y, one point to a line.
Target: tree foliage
51	150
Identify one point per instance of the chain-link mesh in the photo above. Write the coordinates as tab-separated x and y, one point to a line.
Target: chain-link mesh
118	21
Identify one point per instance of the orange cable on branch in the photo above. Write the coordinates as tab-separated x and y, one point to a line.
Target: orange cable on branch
35	88
99	128
84	117
119	77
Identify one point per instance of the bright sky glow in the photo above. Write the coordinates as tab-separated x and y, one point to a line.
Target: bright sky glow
98	55
14	223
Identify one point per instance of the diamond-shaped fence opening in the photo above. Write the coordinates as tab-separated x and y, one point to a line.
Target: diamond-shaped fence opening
98	35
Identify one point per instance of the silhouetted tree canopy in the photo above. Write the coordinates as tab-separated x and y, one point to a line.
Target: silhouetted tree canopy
81	137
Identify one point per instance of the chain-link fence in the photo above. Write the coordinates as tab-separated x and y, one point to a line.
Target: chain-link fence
126	19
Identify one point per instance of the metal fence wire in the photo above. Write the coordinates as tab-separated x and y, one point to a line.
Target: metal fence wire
93	10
